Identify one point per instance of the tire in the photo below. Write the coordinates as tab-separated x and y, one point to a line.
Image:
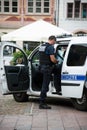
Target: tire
20	97
81	104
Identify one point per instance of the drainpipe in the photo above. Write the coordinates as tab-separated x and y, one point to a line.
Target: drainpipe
57	12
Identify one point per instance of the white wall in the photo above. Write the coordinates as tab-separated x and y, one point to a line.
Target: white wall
71	25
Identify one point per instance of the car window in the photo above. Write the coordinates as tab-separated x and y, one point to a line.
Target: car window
60	52
35	63
7	51
35	58
77	55
13	56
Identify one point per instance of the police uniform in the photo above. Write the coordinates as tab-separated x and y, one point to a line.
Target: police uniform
46	66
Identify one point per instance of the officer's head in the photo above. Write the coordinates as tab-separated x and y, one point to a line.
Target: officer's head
52	39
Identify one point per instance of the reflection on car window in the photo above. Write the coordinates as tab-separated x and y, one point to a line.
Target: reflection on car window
13	56
7	51
60	53
77	55
35	58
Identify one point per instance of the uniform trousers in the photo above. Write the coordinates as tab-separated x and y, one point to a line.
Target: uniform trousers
47	74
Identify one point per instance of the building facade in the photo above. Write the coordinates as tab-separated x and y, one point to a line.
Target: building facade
72	16
17	13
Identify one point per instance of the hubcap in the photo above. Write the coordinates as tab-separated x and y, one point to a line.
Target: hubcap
18	94
82	100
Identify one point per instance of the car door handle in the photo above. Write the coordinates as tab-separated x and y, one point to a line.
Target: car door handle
65	73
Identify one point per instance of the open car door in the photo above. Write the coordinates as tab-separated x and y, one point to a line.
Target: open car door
14	69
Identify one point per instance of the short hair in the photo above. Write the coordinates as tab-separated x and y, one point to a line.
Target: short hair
52	38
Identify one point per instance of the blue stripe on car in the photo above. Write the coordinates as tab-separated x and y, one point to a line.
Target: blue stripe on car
73	77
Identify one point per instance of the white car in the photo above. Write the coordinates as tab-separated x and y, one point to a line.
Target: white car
25	79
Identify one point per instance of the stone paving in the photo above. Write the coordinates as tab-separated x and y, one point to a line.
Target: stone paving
27	116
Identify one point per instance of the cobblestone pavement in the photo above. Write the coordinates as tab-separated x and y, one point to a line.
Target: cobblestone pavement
27	116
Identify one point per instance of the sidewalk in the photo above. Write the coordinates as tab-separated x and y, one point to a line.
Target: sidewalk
60	117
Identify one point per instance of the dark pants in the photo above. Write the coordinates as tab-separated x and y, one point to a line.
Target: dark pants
57	77
47	71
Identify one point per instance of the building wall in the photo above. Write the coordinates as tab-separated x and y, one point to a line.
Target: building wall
10	22
71	25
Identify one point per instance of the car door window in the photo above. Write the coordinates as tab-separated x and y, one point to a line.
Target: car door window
35	58
35	61
13	56
77	55
60	52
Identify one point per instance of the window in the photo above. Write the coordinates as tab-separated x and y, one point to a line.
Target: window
70	10
7	51
30	6
60	53
81	33
0	5
38	6
25	46
77	9
13	56
8	6
84	10
46	6
7	55
77	55
30	45
35	58
14	6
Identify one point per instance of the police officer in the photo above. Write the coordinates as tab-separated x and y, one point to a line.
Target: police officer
47	62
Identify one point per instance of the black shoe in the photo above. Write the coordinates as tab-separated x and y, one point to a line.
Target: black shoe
57	92
44	106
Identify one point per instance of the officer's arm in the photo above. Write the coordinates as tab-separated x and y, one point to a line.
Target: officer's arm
53	59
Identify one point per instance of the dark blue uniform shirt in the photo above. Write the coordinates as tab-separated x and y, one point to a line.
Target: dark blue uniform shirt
50	50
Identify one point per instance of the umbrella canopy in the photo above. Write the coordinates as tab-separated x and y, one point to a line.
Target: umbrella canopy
37	31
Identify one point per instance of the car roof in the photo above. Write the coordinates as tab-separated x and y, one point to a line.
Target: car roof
79	40
64	41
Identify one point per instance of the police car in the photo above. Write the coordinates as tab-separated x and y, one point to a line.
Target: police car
24	79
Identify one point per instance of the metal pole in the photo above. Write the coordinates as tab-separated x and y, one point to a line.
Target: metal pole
57	12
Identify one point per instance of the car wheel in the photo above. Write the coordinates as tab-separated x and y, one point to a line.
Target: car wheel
80	104
20	97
